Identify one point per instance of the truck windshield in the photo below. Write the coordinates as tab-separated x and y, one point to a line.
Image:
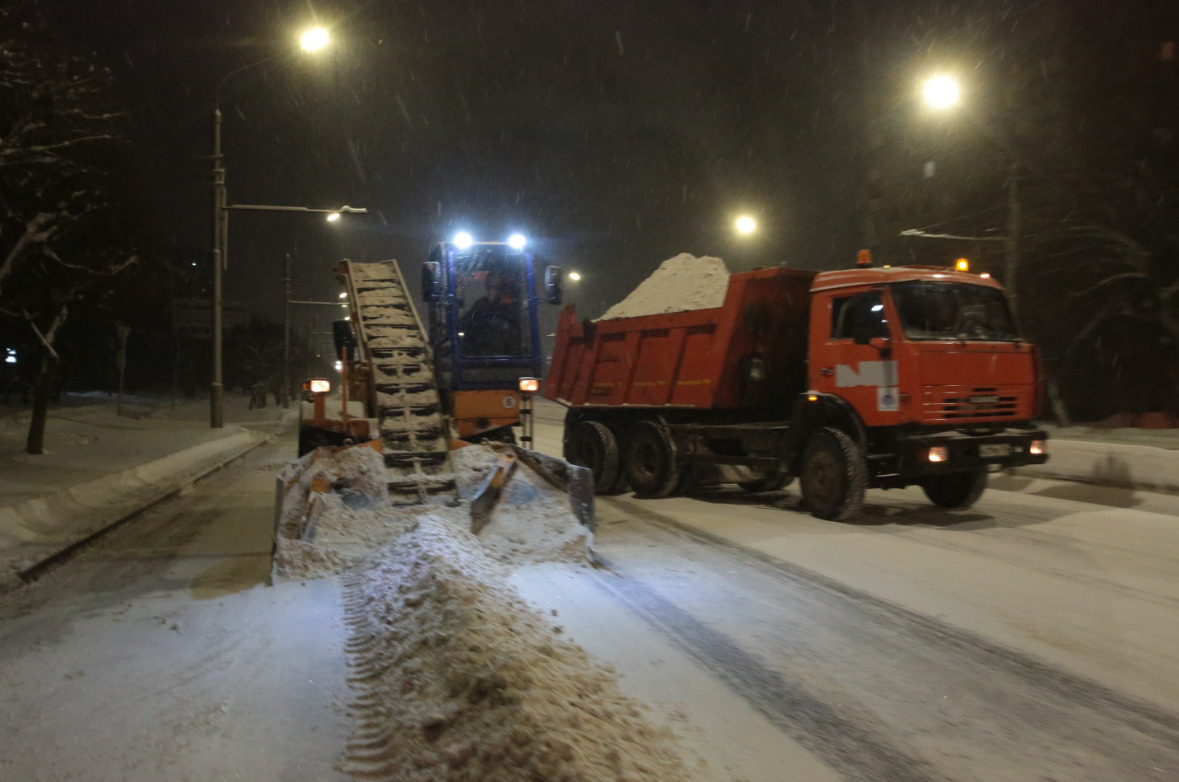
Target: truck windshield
493	317
942	310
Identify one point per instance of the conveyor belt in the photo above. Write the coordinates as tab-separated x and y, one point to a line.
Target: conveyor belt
392	344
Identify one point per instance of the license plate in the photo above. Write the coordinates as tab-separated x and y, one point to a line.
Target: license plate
994	451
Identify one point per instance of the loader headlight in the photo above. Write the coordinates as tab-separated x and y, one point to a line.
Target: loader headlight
517	241
529	385
1038	448
317	386
463	240
939	453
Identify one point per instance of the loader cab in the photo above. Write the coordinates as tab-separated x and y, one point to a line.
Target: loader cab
482	303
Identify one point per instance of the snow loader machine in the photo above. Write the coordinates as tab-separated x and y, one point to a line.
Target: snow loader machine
394	398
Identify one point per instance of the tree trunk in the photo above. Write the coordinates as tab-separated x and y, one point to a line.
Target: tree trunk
35	444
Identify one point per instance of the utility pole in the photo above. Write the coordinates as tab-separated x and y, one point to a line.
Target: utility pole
216	396
286	338
1014	229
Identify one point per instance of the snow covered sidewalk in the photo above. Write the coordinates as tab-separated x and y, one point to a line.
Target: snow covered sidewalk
1125	458
100	467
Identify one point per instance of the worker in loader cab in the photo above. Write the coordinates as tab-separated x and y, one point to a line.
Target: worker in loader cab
491	327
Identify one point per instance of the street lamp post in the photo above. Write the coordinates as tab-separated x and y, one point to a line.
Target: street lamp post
311	41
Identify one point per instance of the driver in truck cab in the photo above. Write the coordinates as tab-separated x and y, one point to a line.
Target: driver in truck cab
491	327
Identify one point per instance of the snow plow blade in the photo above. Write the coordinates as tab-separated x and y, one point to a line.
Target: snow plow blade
577	481
302	485
490	490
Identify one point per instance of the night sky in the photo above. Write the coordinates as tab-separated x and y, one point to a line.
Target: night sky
616	134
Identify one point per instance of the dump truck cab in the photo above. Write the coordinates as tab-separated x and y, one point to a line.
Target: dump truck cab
482	318
923	356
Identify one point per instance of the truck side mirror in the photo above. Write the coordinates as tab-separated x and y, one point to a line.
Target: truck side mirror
431	281
552	284
343	337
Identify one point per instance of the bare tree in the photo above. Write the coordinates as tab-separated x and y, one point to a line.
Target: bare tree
56	134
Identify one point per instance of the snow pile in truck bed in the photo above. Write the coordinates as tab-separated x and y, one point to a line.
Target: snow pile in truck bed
458	679
682	283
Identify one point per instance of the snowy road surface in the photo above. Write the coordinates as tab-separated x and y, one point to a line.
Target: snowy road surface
1031	638
160	654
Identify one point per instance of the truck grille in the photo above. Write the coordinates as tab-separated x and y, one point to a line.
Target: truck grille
961	403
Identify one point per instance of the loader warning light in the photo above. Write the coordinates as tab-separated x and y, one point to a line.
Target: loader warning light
864	259
529	385
812	398
962	265
317	386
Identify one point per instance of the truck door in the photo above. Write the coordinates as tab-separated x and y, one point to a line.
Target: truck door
851	354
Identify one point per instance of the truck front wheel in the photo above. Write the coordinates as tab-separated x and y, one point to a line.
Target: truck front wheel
650	461
591	444
834	477
957	490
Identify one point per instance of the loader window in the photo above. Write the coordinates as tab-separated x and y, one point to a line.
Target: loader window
863	312
493	317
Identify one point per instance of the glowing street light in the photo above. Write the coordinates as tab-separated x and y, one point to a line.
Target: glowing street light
574	276
941	92
333	217
746	225
314	40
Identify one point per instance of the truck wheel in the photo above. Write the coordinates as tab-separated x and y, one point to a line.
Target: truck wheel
955	491
591	444
650	461
834	477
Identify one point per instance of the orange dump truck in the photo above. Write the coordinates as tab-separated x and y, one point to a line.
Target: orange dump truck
866	377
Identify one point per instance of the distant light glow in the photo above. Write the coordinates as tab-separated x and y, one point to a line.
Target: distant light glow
339	366
941	92
746	224
343	294
517	241
575	276
463	240
877	307
333	217
985	275
314	40
10	358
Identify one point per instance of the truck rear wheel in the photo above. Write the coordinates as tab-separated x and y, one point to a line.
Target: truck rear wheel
957	490
650	462
591	444
834	477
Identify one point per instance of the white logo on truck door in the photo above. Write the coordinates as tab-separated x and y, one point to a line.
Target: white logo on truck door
879	374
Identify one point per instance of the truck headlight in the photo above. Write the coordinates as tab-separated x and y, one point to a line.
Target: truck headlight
939	453
1038	448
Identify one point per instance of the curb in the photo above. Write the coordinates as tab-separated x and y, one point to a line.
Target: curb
29	572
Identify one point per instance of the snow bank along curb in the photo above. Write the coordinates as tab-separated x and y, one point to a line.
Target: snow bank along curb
1109	464
457	678
35	530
